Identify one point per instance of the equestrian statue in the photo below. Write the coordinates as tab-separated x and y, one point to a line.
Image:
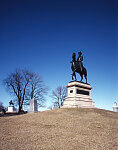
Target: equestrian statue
77	66
11	103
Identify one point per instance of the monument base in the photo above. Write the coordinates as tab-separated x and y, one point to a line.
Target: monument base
11	109
33	106
79	95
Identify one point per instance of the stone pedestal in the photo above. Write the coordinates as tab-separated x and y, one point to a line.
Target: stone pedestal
115	107
33	105
79	95
10	108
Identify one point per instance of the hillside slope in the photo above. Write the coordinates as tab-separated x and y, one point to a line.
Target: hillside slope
63	129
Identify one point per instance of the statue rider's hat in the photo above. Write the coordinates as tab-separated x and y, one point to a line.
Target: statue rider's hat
74	54
80	53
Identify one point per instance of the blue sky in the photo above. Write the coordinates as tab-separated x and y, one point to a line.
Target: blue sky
42	35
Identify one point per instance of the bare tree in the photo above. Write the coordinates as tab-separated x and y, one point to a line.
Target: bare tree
58	95
37	90
24	85
17	83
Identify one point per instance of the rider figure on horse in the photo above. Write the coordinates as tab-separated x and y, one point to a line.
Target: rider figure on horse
79	60
77	66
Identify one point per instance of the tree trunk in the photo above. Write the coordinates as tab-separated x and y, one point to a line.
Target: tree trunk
20	109
20	105
58	103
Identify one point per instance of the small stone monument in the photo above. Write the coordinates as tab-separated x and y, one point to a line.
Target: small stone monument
79	95
11	106
55	107
115	107
33	105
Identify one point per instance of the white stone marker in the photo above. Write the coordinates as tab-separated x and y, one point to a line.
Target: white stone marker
10	108
79	95
115	107
55	107
33	105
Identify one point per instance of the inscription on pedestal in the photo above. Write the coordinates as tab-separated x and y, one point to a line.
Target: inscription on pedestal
82	92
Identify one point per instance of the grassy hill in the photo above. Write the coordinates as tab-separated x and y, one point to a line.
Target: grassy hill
63	129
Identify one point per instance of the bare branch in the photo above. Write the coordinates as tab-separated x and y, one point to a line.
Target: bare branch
58	95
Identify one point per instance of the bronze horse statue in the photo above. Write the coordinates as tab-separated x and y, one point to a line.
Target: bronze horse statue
77	68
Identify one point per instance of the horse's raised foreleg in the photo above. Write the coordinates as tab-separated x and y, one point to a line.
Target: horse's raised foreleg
74	75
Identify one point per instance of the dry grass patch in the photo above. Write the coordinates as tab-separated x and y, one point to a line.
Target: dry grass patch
63	129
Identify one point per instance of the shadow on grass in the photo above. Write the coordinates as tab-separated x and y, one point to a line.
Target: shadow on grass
12	114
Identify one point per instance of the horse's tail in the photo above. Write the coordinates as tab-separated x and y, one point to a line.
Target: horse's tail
84	71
